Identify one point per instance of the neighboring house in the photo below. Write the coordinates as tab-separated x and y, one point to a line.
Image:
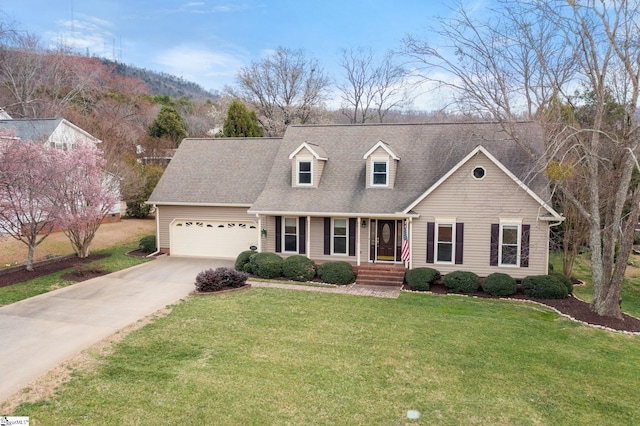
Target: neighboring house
57	133
463	196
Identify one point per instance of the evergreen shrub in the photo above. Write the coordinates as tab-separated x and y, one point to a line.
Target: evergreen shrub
266	265
243	259
147	244
499	284
299	268
420	279
544	287
462	281
336	272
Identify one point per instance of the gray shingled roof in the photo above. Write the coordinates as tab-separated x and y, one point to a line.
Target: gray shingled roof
36	130
217	171
426	151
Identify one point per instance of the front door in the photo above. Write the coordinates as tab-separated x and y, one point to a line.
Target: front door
386	240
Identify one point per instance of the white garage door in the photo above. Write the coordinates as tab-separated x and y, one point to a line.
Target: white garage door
206	238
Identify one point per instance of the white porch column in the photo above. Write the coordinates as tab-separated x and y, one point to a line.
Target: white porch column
359	226
308	238
410	236
259	233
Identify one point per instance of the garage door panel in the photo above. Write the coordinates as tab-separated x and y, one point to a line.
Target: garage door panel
204	238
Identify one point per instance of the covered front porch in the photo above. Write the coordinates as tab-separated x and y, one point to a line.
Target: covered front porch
358	240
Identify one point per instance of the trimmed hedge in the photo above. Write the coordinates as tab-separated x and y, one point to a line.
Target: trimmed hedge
299	268
147	244
336	272
462	281
266	265
499	284
243	259
564	280
544	287
219	279
420	279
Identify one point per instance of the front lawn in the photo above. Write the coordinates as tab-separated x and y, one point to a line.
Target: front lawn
268	356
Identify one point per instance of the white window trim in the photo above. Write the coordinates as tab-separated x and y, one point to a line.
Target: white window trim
346	236
380	160
284	235
303	160
517	224
437	241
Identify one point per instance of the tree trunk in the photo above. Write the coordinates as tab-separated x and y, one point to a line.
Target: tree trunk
32	249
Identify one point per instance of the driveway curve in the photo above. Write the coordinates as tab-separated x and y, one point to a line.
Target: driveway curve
39	333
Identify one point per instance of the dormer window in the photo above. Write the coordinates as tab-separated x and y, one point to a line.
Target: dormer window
307	163
305	172
380	169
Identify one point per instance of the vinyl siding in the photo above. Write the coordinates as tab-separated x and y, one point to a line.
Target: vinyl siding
478	204
168	214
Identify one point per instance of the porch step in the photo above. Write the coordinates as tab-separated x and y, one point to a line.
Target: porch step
377	274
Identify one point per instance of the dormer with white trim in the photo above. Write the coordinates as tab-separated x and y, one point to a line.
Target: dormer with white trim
307	163
381	165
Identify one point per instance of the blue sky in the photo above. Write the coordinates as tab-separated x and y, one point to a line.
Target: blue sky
208	41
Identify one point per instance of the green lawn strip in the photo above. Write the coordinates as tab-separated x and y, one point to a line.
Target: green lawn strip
269	356
116	261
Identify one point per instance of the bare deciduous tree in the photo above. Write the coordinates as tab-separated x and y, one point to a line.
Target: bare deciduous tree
285	88
532	52
370	89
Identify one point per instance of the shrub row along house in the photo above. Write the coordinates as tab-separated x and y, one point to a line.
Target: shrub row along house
461	196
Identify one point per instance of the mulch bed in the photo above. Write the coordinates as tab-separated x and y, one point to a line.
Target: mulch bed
571	306
23	275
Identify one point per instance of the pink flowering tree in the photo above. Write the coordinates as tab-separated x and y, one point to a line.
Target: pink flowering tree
83	193
27	210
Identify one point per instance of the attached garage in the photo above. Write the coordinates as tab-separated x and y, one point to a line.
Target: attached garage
209	238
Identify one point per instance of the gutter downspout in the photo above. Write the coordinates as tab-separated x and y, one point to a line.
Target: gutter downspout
157	232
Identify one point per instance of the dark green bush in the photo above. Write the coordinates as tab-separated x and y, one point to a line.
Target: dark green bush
421	278
564	280
499	284
544	287
219	279
138	209
299	268
147	244
336	272
266	265
243	259
462	281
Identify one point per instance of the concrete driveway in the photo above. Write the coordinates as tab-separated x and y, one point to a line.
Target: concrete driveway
41	332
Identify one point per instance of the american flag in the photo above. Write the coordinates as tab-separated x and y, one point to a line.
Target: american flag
405	244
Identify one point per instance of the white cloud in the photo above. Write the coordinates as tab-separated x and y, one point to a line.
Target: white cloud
210	68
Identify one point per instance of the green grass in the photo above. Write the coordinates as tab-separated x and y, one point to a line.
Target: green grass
116	261
582	271
268	356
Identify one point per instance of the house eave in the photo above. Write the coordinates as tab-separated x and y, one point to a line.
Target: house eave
188	204
396	215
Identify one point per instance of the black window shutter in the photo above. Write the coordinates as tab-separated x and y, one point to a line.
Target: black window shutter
524	246
352	236
302	235
327	235
431	226
278	234
459	242
495	236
